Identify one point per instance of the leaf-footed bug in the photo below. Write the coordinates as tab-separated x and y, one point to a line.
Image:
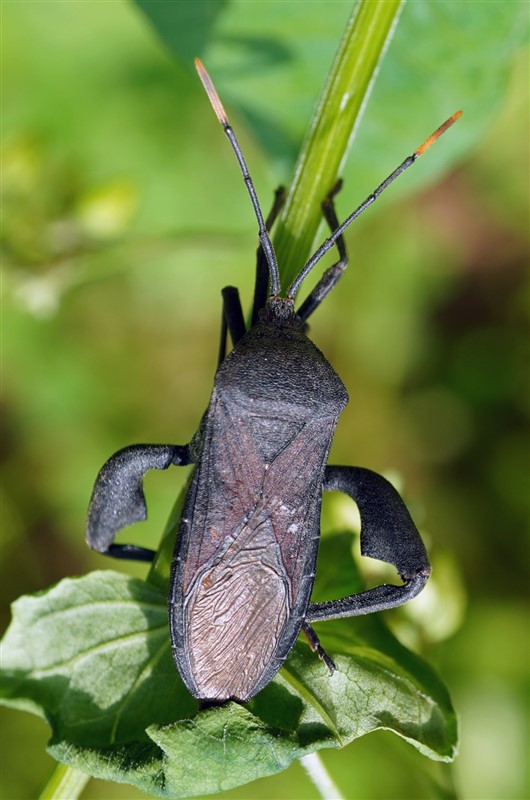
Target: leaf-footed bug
244	561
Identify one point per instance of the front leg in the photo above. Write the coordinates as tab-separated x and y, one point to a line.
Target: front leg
387	534
118	498
331	276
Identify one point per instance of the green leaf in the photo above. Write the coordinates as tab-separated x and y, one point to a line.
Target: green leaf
186	26
92	656
106	624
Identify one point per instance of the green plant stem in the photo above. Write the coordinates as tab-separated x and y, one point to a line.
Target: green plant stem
332	129
65	783
320	777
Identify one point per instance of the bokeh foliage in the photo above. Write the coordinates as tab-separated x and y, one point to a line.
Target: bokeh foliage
124	215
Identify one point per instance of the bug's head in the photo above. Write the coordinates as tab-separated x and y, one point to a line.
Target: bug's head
281	311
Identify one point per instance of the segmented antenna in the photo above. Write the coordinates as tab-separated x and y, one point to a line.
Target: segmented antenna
330	241
263	233
264	237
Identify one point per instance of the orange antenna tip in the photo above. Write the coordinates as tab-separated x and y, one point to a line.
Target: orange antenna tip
210	91
437	133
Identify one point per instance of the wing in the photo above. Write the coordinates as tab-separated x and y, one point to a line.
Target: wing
248	544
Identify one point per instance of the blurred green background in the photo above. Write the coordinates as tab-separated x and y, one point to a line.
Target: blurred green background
124	215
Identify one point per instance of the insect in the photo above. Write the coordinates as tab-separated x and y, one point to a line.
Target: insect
245	555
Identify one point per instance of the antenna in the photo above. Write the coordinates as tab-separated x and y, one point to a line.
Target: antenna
330	241
264	237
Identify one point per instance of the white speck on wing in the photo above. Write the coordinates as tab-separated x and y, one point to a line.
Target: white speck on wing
293	528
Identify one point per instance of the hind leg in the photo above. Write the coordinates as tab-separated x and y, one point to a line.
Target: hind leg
387	533
118	498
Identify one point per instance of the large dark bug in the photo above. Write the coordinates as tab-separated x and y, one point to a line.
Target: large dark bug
244	562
